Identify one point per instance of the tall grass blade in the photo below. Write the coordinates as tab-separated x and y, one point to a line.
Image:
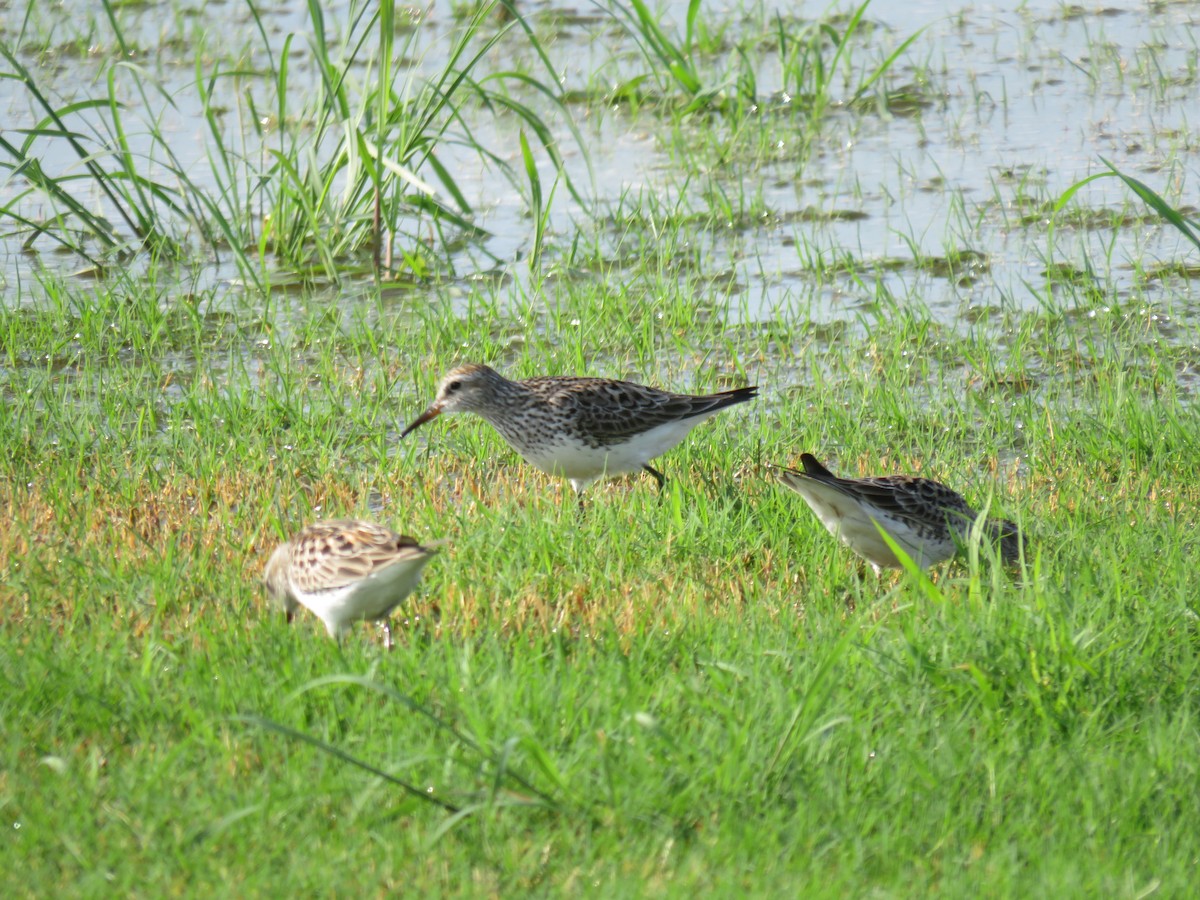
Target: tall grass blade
338	753
535	202
412	705
1188	228
919	575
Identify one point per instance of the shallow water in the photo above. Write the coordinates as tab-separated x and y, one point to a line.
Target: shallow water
1019	105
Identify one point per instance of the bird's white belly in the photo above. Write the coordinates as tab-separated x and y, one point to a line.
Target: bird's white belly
568	459
372	597
857	529
579	462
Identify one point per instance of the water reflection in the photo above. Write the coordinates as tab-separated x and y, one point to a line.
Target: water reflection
1016	105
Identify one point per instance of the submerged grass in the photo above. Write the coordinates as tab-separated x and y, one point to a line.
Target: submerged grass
351	174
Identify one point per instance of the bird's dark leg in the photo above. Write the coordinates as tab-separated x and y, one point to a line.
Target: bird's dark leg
658	476
340	648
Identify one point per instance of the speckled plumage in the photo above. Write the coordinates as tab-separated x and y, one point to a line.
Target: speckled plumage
581	429
926	519
344	570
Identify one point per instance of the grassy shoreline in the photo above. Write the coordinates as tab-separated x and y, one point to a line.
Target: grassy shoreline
705	685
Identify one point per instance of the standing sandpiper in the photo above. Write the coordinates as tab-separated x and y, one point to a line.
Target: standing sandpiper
578	428
345	570
927	520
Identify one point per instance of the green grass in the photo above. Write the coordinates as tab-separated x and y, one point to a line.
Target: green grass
695	692
704	691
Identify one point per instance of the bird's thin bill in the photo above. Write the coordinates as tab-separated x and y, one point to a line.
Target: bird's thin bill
432	413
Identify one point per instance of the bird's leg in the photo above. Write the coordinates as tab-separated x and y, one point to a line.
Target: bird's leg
341	649
658	476
857	580
388	643
848	599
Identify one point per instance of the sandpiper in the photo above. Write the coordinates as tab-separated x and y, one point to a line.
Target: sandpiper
927	520
345	570
580	429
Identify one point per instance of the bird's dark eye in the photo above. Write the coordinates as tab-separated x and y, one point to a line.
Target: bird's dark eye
453	386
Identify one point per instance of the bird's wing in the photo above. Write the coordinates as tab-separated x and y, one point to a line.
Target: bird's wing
916	500
333	554
606	409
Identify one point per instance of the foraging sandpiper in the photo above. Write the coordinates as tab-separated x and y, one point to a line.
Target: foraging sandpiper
580	429
927	520
345	570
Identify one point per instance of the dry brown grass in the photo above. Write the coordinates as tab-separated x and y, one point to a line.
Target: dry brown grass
226	524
